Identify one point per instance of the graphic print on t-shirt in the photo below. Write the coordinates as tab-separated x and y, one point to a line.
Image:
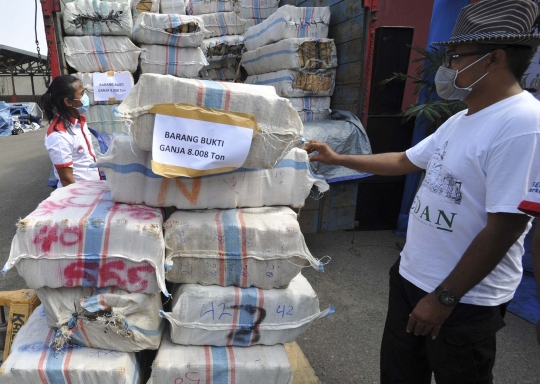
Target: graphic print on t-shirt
440	181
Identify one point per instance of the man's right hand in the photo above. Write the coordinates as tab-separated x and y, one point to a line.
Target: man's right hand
325	154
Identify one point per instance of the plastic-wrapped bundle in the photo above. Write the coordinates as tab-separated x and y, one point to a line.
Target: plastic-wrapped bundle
141	6
102	118
130	178
200	7
224	365
223	316
280	128
88	84
33	360
172	29
223	47
312	108
218	74
289	22
79	237
103	318
203	247
304	53
169	60
97	18
101	53
223	23
173	7
294	83
252	22
258	9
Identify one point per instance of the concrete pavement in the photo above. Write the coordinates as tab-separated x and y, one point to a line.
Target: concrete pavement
343	348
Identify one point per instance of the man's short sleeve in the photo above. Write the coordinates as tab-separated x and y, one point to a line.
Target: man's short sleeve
511	168
60	150
421	153
531	204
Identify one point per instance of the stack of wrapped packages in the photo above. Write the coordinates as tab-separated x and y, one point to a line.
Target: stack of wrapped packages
291	52
98	268
256	11
223	42
234	249
171	41
98	41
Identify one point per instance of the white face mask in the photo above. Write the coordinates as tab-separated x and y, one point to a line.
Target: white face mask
445	81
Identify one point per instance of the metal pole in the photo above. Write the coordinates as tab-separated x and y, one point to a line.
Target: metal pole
32	82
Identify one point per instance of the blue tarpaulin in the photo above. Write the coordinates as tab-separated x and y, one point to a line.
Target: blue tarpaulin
6	124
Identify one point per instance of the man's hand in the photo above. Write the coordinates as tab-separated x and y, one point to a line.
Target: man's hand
325	154
428	316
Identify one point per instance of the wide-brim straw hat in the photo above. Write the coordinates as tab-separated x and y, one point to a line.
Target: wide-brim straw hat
511	22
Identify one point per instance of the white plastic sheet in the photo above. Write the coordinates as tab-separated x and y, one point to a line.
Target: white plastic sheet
259	247
225	365
225	316
32	360
130	178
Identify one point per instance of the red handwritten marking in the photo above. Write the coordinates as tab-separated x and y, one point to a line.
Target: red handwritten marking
192	195
49	235
108	271
135	278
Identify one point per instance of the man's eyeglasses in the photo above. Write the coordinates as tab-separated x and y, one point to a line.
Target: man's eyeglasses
449	56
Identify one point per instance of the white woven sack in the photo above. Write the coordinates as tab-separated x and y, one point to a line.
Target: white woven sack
223	47
280	128
88	84
103	318
81	223
251	23
97	18
289	22
102	118
230	365
201	7
223	23
232	63
294	83
249	247
303	53
169	60
101	53
32	360
312	108
224	316
151	28
218	74
173	7
130	178
258	9
142	6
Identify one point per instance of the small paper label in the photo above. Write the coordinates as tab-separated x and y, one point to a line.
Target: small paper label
191	146
108	87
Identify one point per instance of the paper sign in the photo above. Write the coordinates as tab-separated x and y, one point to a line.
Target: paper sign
108	87
199	141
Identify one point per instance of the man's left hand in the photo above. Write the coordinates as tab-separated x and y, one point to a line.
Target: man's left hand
428	316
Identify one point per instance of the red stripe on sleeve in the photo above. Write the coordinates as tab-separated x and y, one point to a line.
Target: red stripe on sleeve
65	165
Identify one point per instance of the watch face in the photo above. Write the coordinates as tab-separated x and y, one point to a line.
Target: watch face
446	297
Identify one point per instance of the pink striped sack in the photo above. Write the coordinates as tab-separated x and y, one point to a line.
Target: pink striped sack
280	128
101	53
169	60
242	317
79	237
200	7
32	360
154	28
130	178
259	247
225	365
103	318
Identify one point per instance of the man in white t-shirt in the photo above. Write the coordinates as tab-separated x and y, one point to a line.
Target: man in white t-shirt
462	260
531	206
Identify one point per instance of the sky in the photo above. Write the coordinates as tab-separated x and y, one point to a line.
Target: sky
17	25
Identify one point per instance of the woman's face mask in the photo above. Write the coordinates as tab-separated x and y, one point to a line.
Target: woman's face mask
85	100
445	81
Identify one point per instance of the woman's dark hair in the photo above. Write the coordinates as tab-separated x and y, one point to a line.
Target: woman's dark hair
53	100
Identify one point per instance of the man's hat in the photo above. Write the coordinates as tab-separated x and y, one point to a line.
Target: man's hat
497	22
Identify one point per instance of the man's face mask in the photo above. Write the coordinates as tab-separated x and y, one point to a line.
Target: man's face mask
445	81
85	100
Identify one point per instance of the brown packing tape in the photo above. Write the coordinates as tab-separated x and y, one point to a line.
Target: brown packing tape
19	312
112	100
187	111
110	73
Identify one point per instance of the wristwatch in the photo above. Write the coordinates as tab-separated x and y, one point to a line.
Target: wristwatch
446	297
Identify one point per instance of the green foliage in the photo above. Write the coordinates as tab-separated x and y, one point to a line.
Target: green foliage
434	110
